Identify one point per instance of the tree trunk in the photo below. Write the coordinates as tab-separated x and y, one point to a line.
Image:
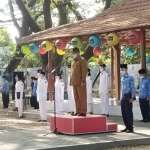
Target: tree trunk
107	4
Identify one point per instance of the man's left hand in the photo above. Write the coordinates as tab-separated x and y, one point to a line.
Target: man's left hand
148	99
131	100
82	83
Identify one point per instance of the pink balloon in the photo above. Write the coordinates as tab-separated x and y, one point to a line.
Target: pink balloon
96	51
60	44
134	37
41	51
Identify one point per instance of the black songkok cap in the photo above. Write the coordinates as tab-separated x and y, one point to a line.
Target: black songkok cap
123	66
42	72
142	71
102	65
69	66
75	50
39	70
89	70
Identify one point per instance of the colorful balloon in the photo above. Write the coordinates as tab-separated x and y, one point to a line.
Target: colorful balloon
61	44
60	52
47	46
94	41
147	59
96	51
34	47
25	49
41	51
129	52
77	42
134	37
112	39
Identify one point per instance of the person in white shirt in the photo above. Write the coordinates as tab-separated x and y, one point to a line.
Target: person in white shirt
19	89
59	94
104	90
70	94
42	86
89	92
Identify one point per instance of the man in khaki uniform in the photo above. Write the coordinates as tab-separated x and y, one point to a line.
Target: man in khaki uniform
78	81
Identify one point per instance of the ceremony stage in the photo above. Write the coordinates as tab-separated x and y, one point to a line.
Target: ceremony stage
74	125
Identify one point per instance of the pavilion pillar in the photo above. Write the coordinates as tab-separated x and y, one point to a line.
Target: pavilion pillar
112	74
143	48
50	78
117	70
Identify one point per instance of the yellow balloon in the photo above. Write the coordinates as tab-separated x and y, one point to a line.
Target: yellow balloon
46	46
112	39
60	52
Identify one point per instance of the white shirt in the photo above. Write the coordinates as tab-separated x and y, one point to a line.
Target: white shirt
104	82
19	87
89	84
59	90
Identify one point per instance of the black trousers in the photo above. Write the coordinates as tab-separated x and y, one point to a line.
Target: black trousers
34	102
127	114
5	99
144	106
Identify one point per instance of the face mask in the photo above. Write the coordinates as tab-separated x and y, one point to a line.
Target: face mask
122	73
74	55
57	78
101	69
141	77
69	70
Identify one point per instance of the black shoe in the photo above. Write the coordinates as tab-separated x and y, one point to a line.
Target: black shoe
125	130
83	115
39	121
19	117
74	114
146	120
91	113
44	121
3	107
107	115
103	114
69	112
130	131
141	120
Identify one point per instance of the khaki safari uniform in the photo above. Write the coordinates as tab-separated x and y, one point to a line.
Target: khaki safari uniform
78	75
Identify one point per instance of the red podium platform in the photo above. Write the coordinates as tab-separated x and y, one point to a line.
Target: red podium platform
82	125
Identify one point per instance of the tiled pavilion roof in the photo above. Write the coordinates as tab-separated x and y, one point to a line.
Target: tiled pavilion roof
125	16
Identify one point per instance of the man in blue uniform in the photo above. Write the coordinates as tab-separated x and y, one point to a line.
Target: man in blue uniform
5	92
127	97
33	94
144	95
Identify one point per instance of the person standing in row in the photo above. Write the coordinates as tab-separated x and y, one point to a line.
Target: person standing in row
19	89
70	94
34	101
42	86
78	81
144	95
5	92
127	98
59	94
104	90
89	92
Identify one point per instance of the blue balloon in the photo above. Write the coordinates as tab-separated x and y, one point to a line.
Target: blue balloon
129	52
94	41
34	47
147	59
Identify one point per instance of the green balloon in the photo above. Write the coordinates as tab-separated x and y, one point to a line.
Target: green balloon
25	49
77	42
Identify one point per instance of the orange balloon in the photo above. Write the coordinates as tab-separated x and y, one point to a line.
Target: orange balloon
41	51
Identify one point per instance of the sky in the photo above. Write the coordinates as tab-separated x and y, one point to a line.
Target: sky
90	11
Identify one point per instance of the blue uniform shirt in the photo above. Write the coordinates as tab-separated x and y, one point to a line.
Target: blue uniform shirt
127	86
34	89
144	88
5	86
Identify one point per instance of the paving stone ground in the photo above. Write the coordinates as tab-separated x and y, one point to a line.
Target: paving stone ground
27	134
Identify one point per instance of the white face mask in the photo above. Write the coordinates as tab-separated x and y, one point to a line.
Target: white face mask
57	78
101	69
122	73
141	77
74	55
